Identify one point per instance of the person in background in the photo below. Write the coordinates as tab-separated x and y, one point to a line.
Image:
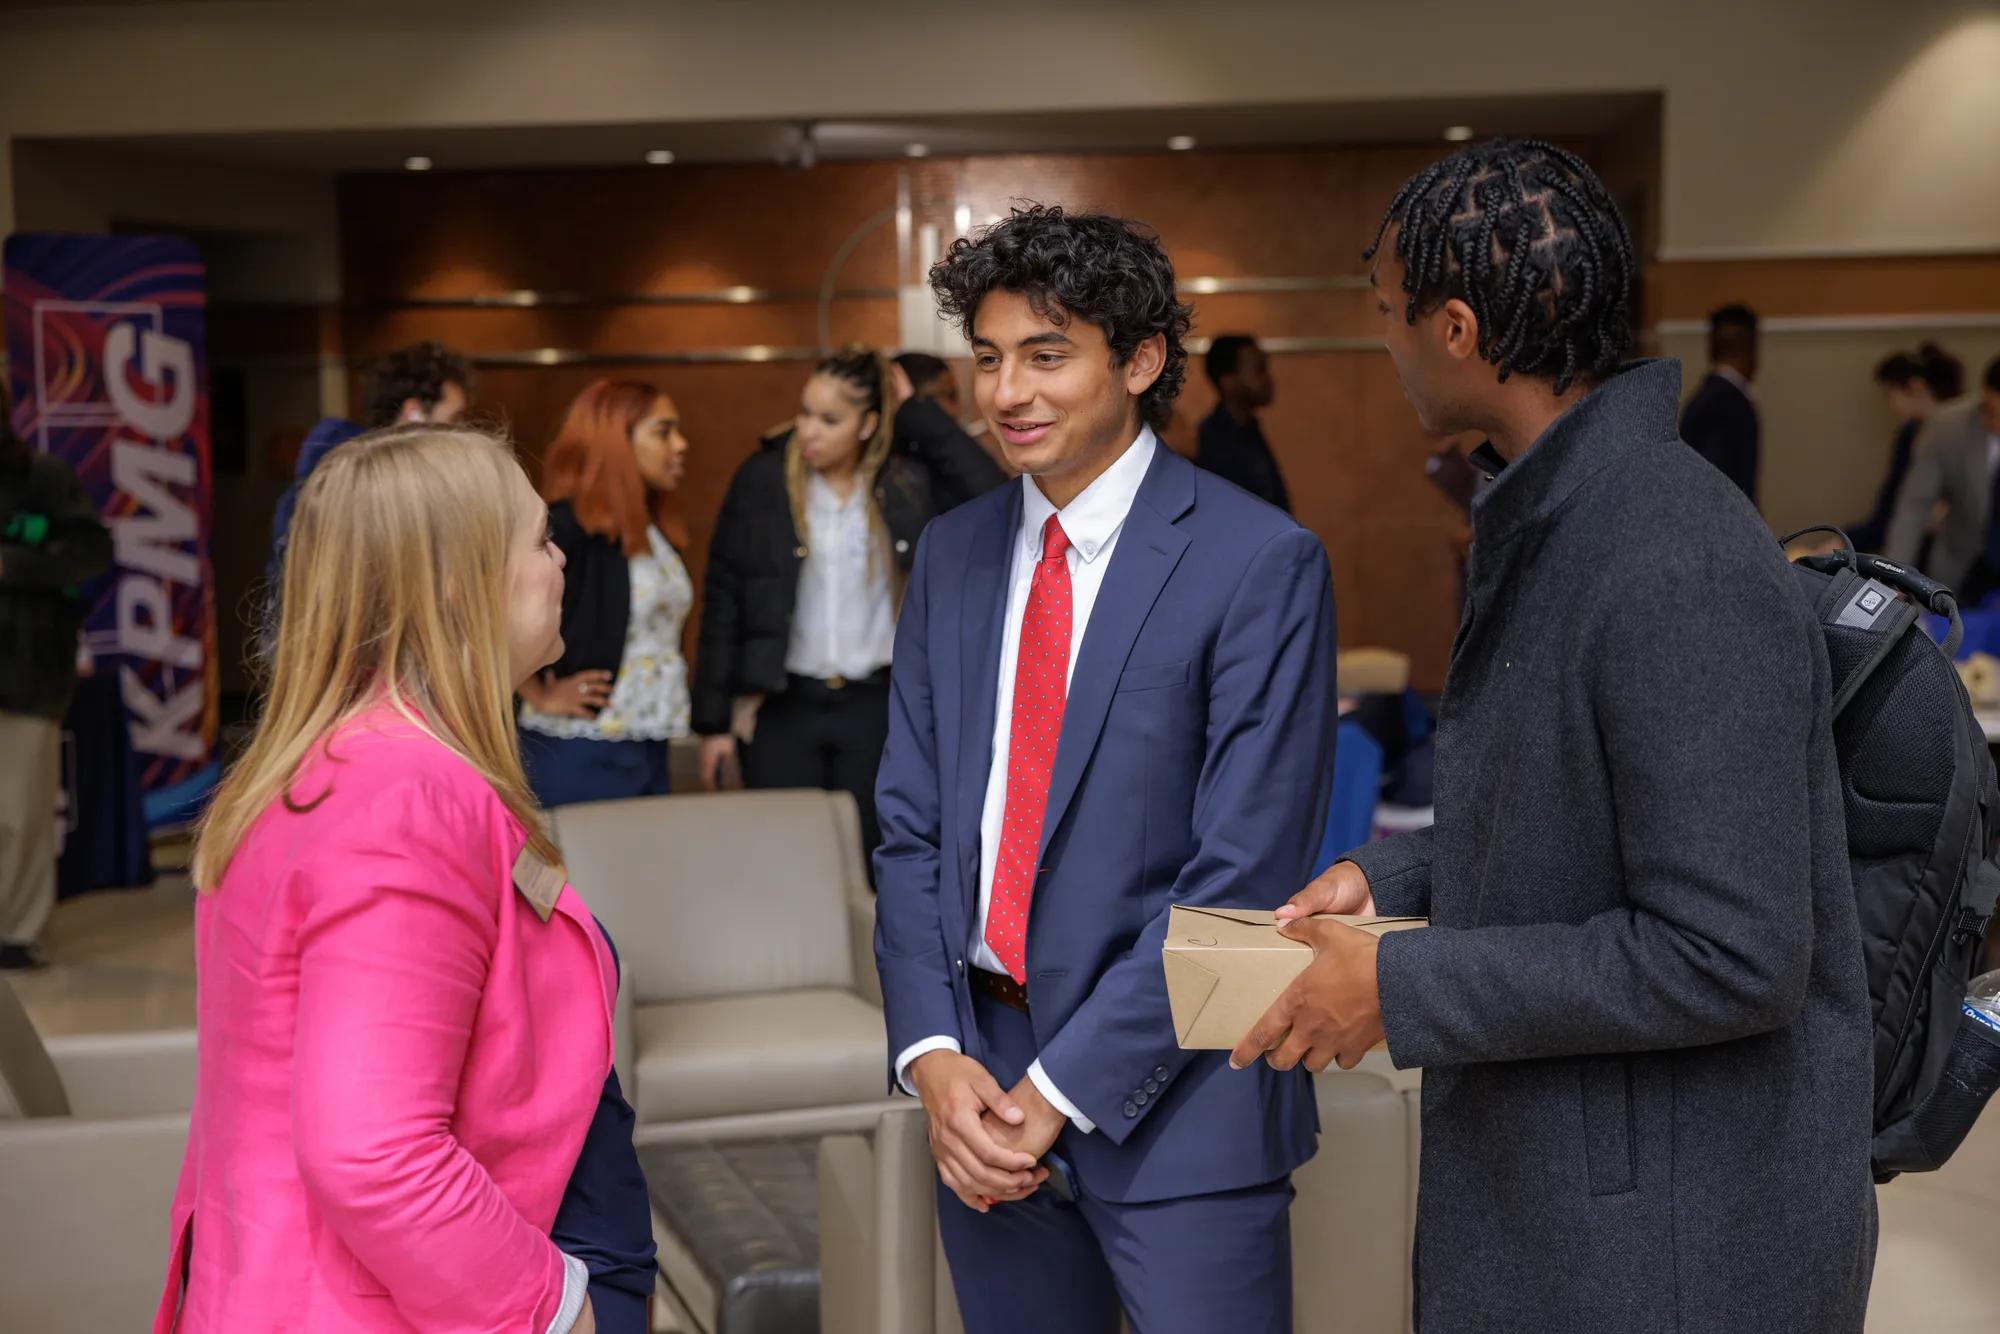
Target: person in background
424	382
596	725
1230	442
930	377
805	575
406	1115
1956	461
1639	1006
51	542
1721	419
1912	384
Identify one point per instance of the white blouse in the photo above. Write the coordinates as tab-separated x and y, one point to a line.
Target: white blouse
845	620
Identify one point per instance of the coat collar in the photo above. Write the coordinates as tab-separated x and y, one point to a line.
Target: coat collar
1638	405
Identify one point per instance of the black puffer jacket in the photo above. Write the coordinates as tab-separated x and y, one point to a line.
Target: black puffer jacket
752	584
51	542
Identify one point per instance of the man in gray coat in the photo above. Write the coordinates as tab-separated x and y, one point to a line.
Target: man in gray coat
1640	1007
1957	461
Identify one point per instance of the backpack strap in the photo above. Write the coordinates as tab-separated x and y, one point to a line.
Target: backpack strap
1852	602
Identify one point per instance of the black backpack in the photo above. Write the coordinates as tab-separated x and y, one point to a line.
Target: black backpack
1923	814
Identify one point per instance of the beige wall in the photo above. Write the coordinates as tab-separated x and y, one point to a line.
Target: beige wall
1790	125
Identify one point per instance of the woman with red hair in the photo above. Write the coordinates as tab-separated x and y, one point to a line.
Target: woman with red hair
595	726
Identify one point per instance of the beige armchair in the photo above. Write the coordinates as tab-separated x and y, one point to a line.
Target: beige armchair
882	1270
91	1135
745	927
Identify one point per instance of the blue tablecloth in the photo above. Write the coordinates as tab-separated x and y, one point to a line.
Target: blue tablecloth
1982	632
107	846
1357	786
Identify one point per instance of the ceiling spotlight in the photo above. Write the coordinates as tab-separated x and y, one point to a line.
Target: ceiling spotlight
917	150
1457	134
660	157
1181	143
416	164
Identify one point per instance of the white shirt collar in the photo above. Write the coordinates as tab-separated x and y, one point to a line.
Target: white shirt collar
1095	516
1735	377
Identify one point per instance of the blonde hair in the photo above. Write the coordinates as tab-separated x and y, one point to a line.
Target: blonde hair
394	589
865	372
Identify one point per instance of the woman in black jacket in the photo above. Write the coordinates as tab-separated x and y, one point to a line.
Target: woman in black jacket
805	576
597	724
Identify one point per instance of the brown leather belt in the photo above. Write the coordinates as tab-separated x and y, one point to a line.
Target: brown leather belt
1000	987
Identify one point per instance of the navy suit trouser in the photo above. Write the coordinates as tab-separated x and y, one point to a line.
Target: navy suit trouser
1196	1265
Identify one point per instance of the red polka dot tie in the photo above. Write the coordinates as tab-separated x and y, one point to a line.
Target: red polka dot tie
1041	684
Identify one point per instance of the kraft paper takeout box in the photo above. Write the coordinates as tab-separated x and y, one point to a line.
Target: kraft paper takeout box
1225	966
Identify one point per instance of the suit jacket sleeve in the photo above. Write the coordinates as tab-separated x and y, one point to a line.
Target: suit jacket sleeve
909	935
959	469
1706	741
1268	770
714	690
393	955
1923	487
1399	873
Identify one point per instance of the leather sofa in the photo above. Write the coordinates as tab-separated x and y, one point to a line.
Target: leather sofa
883	1270
745	929
91	1135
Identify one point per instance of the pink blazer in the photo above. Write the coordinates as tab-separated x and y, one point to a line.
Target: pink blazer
399	1058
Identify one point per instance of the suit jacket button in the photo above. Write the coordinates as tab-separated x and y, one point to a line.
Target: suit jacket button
1152	1086
799	552
1131	1110
1160	1073
960	963
1141	1098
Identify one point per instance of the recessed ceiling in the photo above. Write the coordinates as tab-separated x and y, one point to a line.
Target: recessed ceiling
516	147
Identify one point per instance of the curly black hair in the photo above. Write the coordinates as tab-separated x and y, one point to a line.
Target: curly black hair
419	371
1525	234
1109	271
1944	373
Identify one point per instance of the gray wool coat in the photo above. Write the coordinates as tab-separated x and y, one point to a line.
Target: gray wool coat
1641	1008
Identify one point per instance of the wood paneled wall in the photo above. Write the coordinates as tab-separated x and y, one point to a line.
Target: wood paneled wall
1349	445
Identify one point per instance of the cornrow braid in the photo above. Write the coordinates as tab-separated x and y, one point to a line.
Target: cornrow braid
1526	235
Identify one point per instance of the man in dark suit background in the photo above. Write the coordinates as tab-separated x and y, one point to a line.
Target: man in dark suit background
1231	440
1113	692
1640	1005
1721	419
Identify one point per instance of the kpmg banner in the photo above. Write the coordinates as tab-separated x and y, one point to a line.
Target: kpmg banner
105	356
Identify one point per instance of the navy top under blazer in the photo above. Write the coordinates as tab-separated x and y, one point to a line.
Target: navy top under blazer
605	1219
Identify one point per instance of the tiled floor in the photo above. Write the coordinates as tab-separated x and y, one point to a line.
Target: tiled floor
124	961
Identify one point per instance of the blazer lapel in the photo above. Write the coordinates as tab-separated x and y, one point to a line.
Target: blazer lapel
981	614
1149	548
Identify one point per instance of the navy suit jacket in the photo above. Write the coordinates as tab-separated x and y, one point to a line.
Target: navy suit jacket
1194	766
1721	423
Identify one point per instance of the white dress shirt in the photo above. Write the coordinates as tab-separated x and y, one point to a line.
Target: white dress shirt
1092	522
845	621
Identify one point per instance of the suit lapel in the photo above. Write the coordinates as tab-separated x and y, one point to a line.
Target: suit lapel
1149	548
984	608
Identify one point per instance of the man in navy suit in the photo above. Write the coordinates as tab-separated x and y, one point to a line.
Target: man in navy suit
1721	419
1113	691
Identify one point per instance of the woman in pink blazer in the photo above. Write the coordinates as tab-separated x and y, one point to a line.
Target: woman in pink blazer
404	1012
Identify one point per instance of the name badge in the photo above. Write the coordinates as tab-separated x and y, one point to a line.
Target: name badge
540	883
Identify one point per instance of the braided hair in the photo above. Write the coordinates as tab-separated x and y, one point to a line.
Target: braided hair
1526	235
